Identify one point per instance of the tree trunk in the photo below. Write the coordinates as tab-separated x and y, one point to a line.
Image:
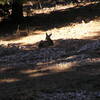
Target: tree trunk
17	11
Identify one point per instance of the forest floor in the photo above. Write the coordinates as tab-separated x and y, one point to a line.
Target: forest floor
28	72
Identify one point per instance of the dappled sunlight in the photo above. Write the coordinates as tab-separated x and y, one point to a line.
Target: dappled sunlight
38	74
75	31
28	71
9	80
72	63
51	69
4	69
64	66
47	10
94	35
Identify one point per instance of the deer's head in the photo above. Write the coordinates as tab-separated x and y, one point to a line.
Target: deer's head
48	36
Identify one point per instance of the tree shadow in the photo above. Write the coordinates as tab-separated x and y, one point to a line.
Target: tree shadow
24	73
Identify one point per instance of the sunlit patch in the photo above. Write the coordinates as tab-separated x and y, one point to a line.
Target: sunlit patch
64	67
38	74
59	67
77	31
3	69
9	80
47	70
68	65
74	31
28	71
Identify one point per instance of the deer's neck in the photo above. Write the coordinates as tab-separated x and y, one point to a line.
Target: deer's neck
50	41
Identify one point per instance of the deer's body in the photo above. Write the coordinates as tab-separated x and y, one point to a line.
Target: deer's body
48	42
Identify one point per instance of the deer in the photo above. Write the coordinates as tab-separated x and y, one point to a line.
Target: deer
47	42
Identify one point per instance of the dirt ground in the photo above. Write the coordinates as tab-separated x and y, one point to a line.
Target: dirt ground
26	70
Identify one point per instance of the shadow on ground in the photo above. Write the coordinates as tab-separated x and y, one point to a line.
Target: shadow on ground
22	77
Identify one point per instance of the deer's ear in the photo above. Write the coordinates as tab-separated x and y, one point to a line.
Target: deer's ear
46	34
50	35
